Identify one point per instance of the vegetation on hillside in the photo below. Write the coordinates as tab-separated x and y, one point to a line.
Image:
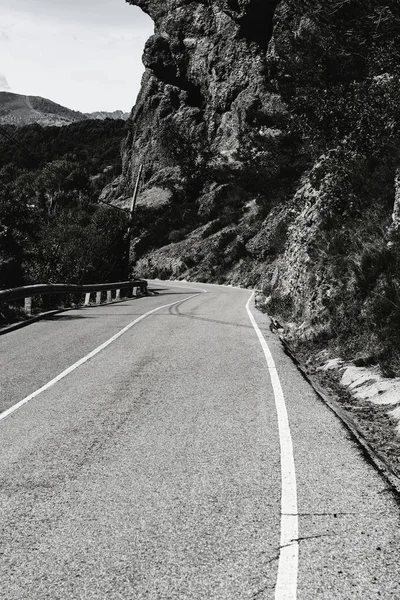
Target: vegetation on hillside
52	227
340	74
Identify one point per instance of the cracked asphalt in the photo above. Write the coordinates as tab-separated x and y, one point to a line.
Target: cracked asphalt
153	470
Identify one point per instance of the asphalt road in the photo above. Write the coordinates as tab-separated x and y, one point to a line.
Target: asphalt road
154	469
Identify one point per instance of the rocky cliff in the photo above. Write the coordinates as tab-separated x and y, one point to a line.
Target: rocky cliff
269	135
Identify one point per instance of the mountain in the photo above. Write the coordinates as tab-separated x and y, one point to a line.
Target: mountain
269	134
16	109
19	110
101	115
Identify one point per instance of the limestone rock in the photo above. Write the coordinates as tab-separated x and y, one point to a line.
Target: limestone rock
205	77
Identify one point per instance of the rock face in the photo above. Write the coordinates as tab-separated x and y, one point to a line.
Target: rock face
205	76
269	131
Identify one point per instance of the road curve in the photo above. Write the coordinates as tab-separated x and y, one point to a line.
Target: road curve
155	467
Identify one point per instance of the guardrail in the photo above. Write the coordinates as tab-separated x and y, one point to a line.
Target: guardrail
28	292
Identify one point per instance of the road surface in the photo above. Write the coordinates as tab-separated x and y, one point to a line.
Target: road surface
184	457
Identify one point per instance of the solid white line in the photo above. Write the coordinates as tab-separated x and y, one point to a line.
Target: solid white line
80	362
286	585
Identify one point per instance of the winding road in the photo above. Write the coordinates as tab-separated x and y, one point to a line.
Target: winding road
166	448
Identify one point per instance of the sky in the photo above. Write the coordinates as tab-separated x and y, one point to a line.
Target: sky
83	54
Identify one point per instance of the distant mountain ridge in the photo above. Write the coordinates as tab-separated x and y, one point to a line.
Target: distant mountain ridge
101	115
19	110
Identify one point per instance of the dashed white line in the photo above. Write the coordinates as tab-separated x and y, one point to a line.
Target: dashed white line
286	585
81	361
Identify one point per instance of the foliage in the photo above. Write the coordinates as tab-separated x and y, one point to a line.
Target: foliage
337	66
365	311
92	144
339	71
52	228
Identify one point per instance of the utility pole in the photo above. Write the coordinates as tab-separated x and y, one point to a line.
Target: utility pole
132	210
134	200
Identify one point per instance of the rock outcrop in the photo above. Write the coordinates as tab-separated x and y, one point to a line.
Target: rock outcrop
205	81
270	131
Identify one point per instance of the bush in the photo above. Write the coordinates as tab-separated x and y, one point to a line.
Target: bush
52	227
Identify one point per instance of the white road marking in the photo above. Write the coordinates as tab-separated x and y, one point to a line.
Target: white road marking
80	362
286	585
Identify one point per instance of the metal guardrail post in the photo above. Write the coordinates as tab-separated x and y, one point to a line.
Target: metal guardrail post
26	293
28	306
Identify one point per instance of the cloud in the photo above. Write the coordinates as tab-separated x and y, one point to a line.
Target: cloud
4	85
91	12
87	68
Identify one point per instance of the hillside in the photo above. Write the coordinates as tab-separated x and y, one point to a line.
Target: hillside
269	133
19	110
52	226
